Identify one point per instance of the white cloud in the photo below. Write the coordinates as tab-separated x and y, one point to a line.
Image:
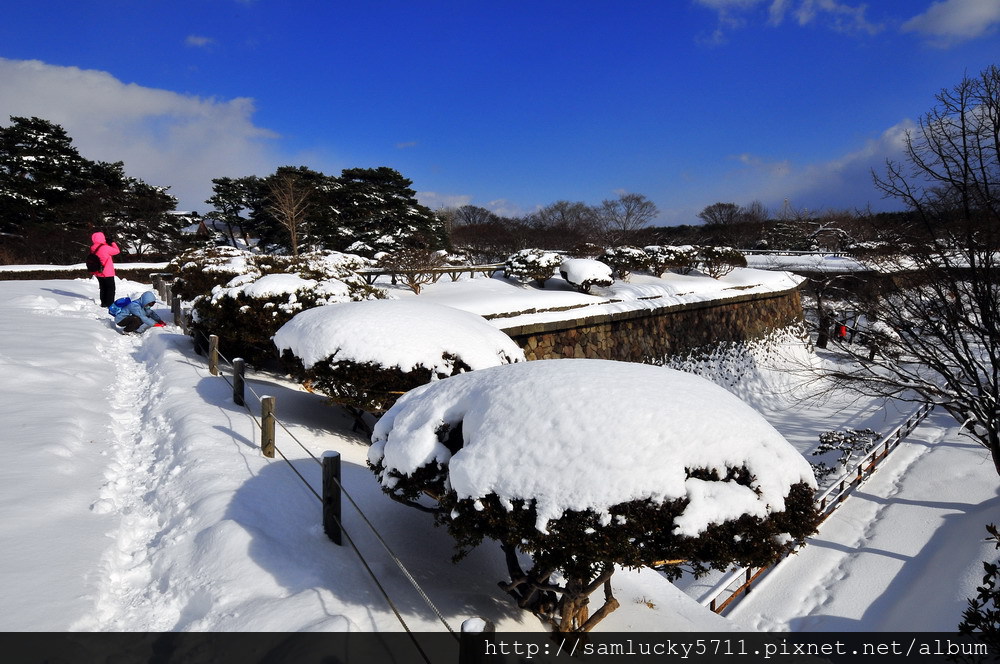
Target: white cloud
436	201
954	21
833	14
506	208
836	15
164	138
198	41
843	182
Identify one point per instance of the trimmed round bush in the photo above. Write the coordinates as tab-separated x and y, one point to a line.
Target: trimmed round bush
585	273
625	260
365	355
719	261
249	308
584	465
532	265
681	259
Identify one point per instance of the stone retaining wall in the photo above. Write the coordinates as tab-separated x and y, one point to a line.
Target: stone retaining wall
652	334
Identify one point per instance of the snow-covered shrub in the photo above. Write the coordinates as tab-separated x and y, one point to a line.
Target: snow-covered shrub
584	273
719	261
625	260
412	265
842	447
364	355
247	310
530	265
197	272
982	617
678	259
583	465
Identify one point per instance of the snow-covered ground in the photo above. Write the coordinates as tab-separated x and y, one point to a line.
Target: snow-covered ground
135	498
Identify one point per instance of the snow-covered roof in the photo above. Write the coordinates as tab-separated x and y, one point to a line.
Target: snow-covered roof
579	434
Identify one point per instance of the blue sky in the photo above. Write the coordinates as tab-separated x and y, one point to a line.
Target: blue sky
506	105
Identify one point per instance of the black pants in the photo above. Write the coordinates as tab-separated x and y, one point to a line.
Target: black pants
107	286
130	323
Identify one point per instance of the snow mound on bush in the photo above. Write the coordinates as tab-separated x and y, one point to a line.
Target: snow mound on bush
586	272
396	333
270	285
579	434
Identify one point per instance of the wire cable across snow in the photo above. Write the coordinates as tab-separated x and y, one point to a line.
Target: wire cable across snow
385	545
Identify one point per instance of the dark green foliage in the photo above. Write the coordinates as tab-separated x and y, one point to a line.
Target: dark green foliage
233	200
663	258
982	618
214	280
625	260
583	547
365	386
52	199
198	271
380	210
532	265
720	261
246	324
364	211
640	533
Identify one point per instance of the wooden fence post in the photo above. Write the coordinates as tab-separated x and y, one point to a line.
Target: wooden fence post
477	633
239	381
331	497
213	354
178	313
168	294
267	426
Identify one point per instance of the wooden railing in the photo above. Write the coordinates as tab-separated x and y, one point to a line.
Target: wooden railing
453	271
723	594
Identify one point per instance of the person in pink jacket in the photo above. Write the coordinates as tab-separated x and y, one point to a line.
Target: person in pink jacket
106	277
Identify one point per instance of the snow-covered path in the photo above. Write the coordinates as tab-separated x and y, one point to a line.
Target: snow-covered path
55	444
899	555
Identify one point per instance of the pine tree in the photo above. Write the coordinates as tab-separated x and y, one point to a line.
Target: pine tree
379	212
40	174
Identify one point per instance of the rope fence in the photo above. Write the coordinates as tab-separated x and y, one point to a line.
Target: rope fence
333	492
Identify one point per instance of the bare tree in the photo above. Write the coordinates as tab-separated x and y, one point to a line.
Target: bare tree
933	332
756	213
563	225
289	203
621	217
720	213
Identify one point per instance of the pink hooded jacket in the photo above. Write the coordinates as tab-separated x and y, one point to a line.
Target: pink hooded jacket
104	251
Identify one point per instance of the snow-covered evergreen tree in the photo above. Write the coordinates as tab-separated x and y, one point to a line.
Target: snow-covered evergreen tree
51	197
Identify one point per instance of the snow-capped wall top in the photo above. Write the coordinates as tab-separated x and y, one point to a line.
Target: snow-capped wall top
396	333
591	434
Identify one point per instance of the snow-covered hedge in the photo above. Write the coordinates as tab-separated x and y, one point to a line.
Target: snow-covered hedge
681	259
588	464
534	265
364	355
249	308
625	260
719	261
585	273
197	272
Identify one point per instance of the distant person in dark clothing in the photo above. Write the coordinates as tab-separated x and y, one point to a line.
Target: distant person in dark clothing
106	277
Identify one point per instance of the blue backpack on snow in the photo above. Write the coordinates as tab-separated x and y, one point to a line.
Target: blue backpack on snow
119	305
